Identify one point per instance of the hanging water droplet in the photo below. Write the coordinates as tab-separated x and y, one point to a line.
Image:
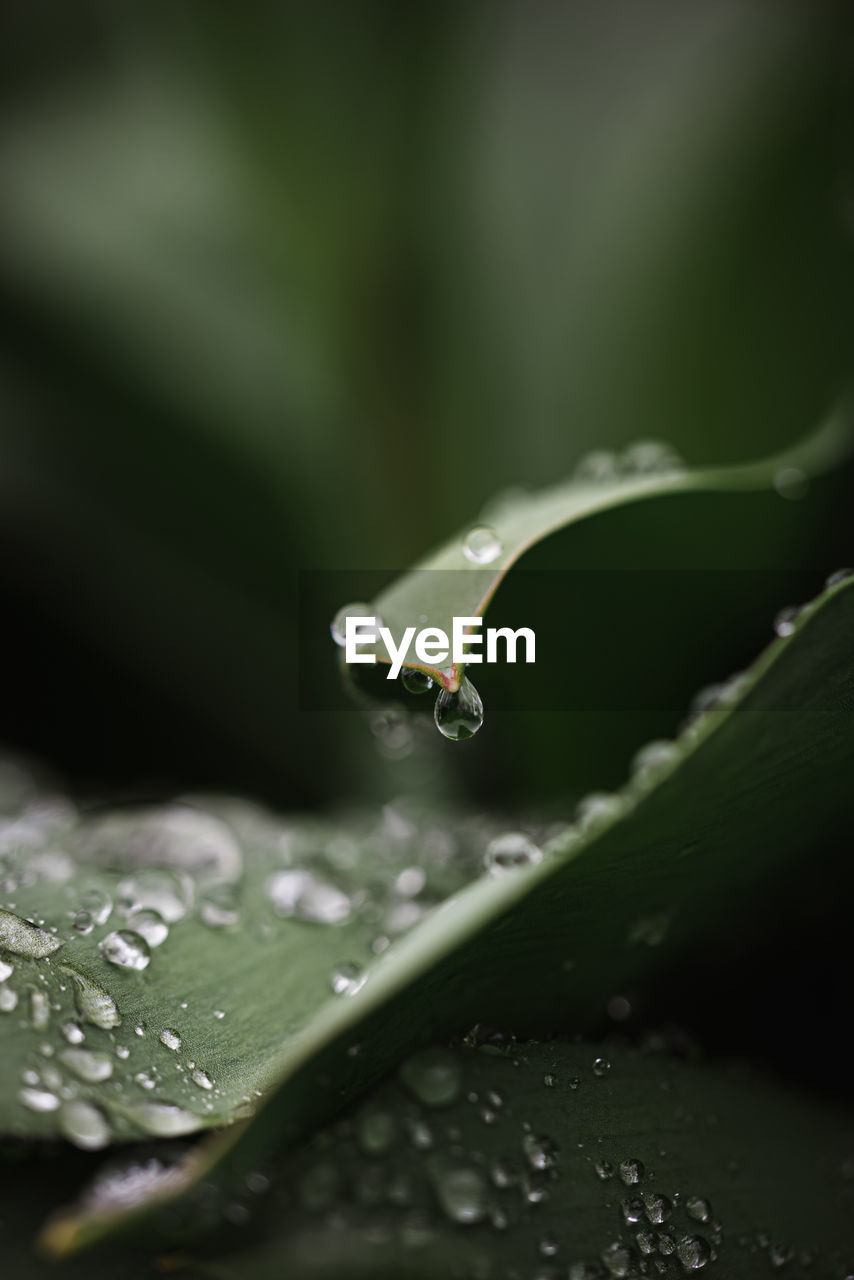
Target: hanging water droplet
202	1079
510	851
150	925
346	979
94	1004
73	1032
631	1172
463	1195
786	620
482	545
693	1252
601	1067
25	939
38	1099
168	892
540	1151
170	1038
791	483
459	715
125	949
433	1077
415	681
39	1010
338	626
84	1125
164	1119
698	1209
8	1000
88	1065
303	896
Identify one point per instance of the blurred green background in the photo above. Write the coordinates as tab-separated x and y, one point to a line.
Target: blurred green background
302	285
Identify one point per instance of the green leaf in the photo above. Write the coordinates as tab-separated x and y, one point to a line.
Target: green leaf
665	862
449	583
556	1159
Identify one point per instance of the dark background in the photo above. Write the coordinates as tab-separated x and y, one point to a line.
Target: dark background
300	286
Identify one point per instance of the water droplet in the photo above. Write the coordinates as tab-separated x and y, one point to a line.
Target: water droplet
459	715
410	882
433	1076
651	930
38	1099
651	457
415	681
73	1032
94	1004
548	1246
645	1241
84	1125
540	1151
601	1067
150	925
302	896
597	467
786	620
510	851
482	545
170	1038
88	1065
665	1244
657	1207
164	1119
202	1079
698	1209
145	1079
83	922
346	979
549	1080
125	949
338	626
6	970
123	1052
220	907
631	1172
376	1131
779	1254
96	903
837	577
604	1170
159	889
25	939
632	1211
39	1010
463	1195
219	1013
619	1008
596	808
653	757
693	1252
618	1259
791	483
